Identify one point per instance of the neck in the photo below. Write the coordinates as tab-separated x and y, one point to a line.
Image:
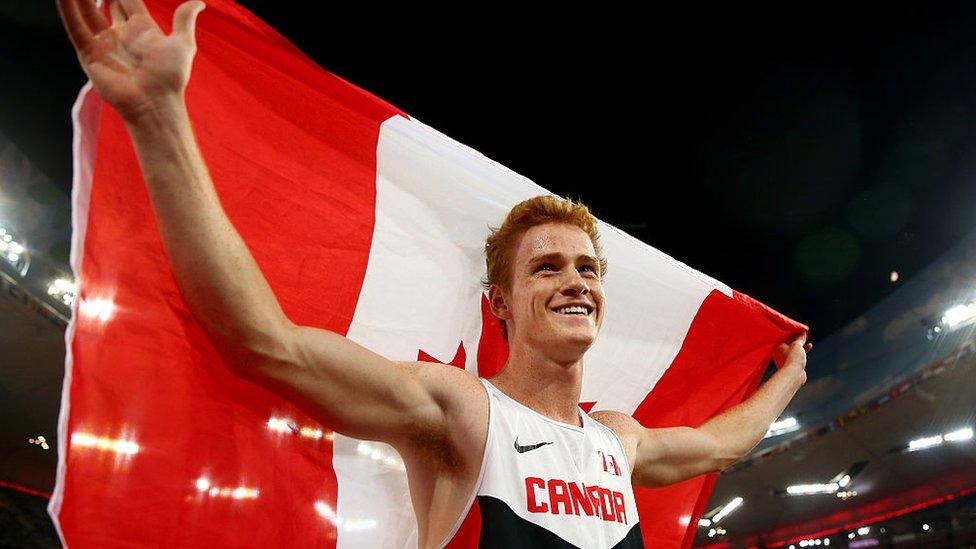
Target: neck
547	386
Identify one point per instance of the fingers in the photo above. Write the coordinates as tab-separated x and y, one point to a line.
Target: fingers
71	19
82	20
807	346
118	13
800	341
93	16
133	7
185	18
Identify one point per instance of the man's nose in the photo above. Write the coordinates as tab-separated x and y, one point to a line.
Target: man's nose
576	285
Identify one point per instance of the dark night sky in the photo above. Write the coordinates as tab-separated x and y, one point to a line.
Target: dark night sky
798	157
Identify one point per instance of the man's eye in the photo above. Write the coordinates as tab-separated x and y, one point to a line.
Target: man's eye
590	268
546	267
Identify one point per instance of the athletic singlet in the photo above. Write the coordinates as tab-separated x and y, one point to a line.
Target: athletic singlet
549	484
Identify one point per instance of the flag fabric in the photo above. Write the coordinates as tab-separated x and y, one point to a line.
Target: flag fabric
368	223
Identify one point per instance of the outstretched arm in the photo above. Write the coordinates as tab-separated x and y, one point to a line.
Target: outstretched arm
666	456
143	73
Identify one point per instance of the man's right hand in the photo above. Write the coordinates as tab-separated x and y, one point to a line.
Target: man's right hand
131	62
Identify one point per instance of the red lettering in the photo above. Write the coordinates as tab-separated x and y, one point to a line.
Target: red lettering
580	500
572	497
594	493
606	501
531	483
616	468
558	494
620	508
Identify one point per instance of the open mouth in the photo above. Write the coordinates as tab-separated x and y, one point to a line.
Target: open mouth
574	310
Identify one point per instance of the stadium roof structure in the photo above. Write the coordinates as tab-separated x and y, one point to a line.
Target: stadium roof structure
889	403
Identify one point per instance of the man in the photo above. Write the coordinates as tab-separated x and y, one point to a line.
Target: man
567	477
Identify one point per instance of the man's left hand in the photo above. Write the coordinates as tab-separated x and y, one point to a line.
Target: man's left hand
793	355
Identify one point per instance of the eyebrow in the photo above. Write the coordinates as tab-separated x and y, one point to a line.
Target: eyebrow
557	256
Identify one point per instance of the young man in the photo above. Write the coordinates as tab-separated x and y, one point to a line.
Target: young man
566	477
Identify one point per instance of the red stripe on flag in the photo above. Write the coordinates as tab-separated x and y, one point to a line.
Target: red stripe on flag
721	361
292	152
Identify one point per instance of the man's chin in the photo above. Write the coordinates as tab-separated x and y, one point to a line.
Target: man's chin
570	341
581	341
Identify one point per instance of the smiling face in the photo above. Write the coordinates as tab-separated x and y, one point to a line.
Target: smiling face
555	303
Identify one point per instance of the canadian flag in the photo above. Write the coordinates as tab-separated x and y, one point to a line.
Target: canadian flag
368	223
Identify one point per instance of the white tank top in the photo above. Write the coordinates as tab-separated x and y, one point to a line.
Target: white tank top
544	483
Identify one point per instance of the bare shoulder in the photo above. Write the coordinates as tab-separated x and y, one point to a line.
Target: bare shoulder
624	425
627	428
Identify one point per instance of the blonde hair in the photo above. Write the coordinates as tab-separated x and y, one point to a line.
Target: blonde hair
500	245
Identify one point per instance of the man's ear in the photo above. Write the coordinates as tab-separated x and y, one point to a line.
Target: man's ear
498	302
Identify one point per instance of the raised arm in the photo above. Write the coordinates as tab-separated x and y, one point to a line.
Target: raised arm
665	456
143	74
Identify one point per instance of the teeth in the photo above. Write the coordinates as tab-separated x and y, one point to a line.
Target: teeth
573	310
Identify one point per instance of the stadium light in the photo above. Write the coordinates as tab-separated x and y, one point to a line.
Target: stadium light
959	315
782	426
807	489
40	441
727	509
14	251
842	479
958	436
925	442
63	290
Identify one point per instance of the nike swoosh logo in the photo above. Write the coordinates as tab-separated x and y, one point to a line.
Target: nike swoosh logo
528	447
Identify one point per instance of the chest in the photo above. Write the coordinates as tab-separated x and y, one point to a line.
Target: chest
574	482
